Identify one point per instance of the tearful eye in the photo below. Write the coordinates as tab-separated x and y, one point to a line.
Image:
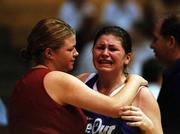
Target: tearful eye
100	48
113	49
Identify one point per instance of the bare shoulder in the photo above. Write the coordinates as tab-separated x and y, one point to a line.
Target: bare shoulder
145	99
54	84
59	77
148	104
145	93
83	76
55	77
60	85
54	74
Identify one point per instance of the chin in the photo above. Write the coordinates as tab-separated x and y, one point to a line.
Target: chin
69	69
105	70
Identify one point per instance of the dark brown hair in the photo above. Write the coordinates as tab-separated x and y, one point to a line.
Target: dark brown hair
170	25
118	32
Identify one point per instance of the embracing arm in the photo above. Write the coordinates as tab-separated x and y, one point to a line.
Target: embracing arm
67	89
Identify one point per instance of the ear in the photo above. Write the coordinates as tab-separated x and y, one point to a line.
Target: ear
171	42
128	58
48	53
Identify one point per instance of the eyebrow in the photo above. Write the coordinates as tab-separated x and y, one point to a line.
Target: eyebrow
113	44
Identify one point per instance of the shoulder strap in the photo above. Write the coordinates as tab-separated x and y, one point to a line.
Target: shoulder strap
90	82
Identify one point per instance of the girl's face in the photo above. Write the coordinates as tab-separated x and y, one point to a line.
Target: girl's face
64	57
109	55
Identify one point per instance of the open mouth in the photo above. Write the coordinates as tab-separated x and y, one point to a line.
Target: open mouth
105	62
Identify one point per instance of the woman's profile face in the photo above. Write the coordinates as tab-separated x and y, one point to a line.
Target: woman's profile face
108	54
64	57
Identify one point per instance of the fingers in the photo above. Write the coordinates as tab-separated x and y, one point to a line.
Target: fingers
135	117
131	113
131	118
134	124
130	108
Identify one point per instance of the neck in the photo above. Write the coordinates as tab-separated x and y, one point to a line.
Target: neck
175	55
108	84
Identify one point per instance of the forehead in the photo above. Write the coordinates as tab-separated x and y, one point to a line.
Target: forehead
156	30
110	38
70	41
158	24
71	38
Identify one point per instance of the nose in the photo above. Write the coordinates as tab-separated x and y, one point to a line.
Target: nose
105	52
75	53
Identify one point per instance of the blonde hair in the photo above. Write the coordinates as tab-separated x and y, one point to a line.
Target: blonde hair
47	33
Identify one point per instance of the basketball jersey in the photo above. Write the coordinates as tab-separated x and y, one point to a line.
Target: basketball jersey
100	124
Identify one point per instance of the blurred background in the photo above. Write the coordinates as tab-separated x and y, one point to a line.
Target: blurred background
17	17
